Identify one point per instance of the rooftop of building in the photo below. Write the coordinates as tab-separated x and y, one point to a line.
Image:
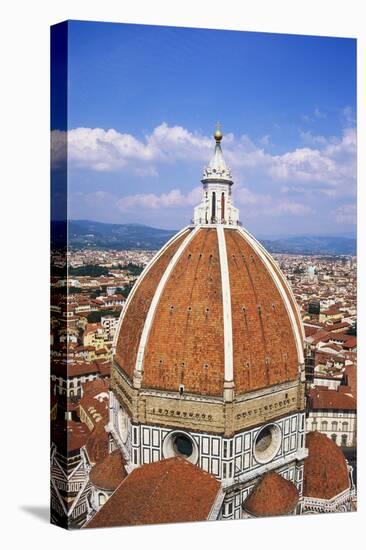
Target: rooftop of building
109	472
168	491
325	468
273	495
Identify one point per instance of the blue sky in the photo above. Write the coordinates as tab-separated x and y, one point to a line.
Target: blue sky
143	102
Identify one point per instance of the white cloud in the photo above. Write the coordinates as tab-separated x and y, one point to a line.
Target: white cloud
318	113
109	150
325	165
172	199
311	139
251	204
265	140
346	214
330	168
258	204
347	115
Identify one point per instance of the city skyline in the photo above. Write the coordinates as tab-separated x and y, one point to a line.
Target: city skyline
287	113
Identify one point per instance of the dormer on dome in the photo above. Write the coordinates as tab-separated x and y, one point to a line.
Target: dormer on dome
216	206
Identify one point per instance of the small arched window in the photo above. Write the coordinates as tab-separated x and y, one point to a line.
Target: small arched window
213	210
222	207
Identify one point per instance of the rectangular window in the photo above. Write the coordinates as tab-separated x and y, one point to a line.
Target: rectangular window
225	449
205	445
215	466
155	437
246	460
215	447
293	423
146	436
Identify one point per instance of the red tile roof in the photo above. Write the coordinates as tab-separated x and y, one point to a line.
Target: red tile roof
324	398
68	436
168	491
272	496
136	312
309	331
97	444
109	473
185	341
325	469
351	378
337	326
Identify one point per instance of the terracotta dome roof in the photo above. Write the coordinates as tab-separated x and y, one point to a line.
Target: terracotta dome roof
272	496
212	306
325	469
109	473
166	491
97	444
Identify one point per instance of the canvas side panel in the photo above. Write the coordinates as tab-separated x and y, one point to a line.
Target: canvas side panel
58	292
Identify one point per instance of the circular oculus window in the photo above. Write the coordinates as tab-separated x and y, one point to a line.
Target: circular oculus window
267	443
180	444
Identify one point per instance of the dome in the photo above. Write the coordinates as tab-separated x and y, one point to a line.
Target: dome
325	468
272	496
108	473
211	308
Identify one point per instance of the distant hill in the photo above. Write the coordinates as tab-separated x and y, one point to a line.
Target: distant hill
313	245
85	233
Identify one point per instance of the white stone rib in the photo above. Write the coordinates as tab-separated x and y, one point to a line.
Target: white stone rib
226	302
280	283
156	298
142	276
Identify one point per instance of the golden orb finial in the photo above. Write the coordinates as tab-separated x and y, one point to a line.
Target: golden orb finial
218	133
